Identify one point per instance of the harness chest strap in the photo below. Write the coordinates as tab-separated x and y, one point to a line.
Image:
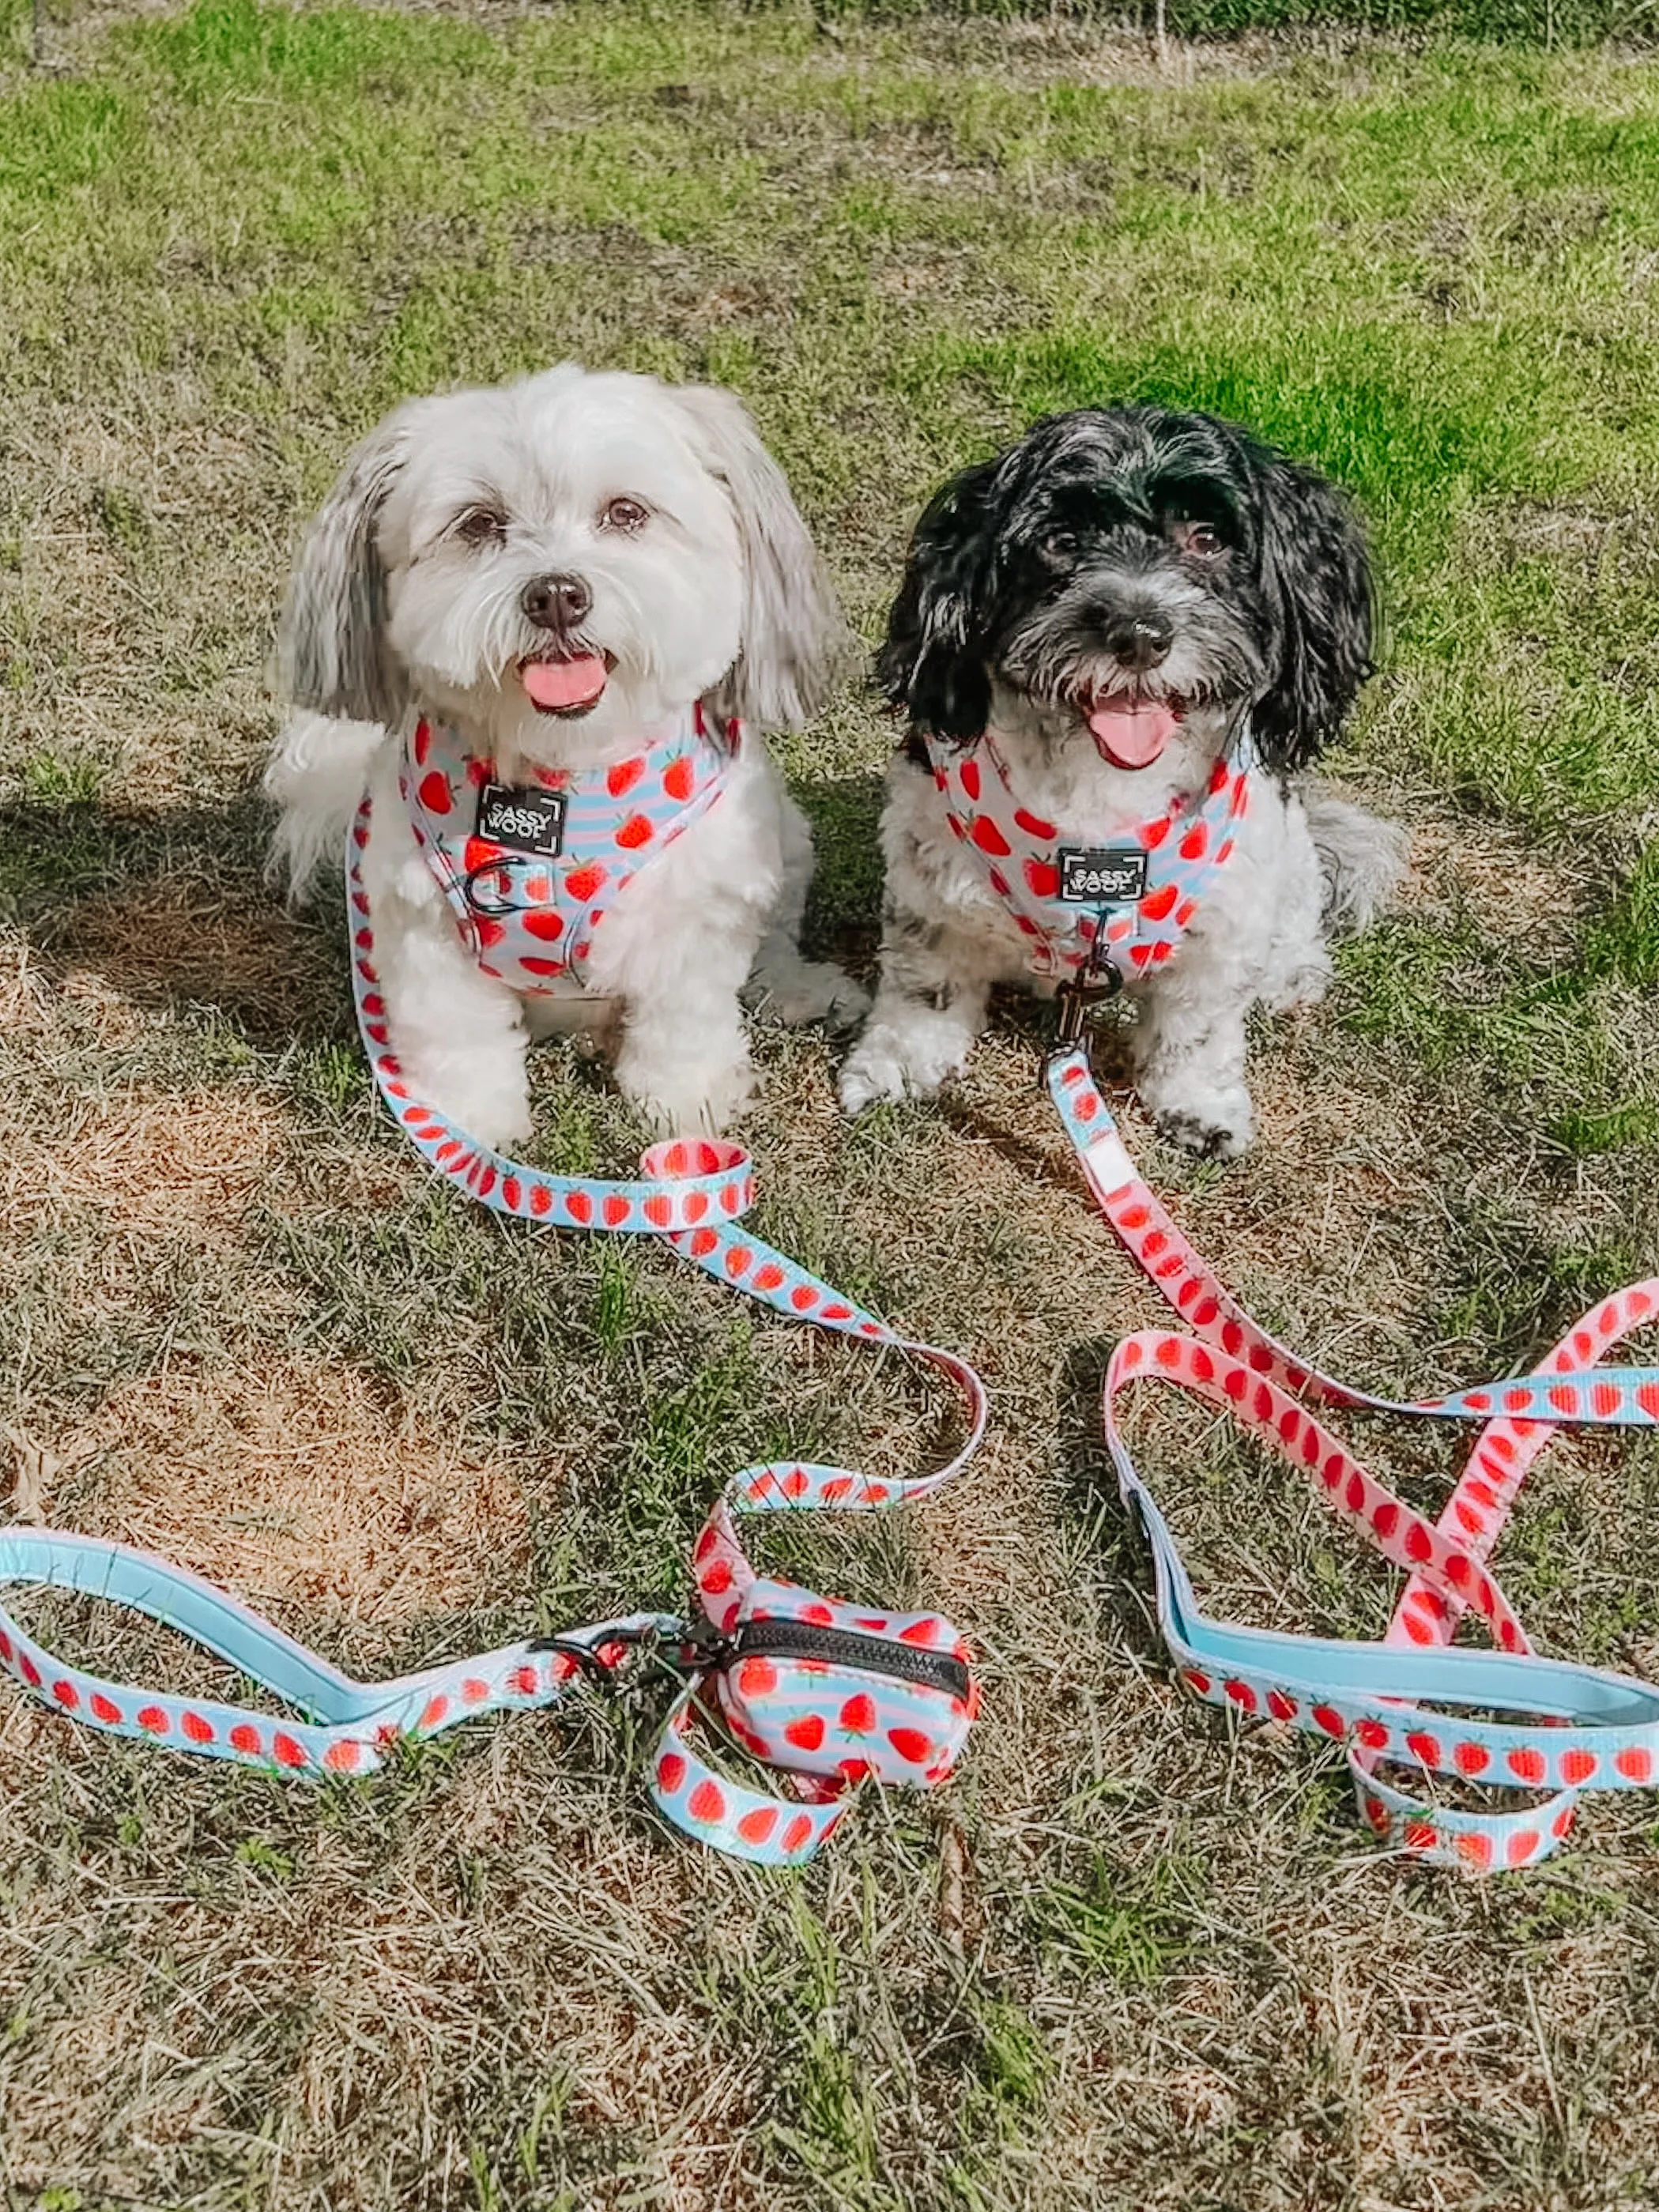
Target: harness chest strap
1412	1701
529	912
1022	857
826	1692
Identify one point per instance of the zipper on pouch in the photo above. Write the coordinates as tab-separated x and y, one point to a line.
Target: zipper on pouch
845	1647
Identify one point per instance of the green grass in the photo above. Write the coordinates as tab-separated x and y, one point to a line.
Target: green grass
1134	1958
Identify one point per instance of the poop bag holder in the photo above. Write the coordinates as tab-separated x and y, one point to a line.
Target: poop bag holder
829	1693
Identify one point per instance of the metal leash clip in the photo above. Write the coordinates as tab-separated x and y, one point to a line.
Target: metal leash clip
1096	982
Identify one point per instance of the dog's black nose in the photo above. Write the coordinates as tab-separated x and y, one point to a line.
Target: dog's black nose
555	602
1140	641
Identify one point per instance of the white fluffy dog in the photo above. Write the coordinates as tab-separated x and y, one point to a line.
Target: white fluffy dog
520	611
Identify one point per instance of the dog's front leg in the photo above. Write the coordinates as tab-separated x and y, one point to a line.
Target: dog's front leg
930	1005
458	1033
1188	1045
684	1055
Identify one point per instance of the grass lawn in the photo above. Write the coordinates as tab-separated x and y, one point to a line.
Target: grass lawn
1134	1958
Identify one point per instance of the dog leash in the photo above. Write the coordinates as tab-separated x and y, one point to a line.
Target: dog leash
1411	1701
827	1693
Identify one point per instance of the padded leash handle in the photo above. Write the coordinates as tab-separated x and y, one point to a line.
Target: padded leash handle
1412	1701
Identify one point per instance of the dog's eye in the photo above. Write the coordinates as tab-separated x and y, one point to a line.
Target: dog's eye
1201	539
1059	546
482	526
627	515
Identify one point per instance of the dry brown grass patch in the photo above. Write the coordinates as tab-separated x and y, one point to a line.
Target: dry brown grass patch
295	1482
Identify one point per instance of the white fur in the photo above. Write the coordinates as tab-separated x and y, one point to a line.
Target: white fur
718	597
1258	938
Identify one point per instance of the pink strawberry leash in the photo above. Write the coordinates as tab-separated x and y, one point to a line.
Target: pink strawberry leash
1413	1703
828	1693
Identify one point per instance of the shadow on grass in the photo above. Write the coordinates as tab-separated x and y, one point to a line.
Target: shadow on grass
171	911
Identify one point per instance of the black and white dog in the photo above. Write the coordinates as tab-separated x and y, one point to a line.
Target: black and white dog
1136	628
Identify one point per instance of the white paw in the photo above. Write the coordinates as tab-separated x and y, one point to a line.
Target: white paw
1217	1124
886	1065
486	1116
703	1106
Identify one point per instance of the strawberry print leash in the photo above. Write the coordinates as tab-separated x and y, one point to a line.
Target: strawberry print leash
1412	1701
827	1693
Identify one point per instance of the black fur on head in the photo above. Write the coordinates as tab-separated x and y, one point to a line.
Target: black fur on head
1136	551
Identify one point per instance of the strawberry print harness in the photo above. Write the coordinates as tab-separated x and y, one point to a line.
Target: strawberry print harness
1053	883
531	870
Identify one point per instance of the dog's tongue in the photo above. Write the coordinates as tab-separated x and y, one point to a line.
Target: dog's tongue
555	684
1132	733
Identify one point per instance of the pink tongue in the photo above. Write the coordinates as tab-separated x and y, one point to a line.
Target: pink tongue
1133	737
564	683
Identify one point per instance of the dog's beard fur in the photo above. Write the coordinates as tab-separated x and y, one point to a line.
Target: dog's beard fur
683	568
1114	563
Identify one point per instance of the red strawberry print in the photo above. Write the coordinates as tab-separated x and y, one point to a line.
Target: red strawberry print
625	775
582	882
911	1744
807	1733
971	782
435	793
1157	904
245	1740
756	1677
1577	1766
858	1715
105	1709
423	744
989	838
1045	832
798	1832
755	1827
680	779
706	1802
546	925
1043	878
635	832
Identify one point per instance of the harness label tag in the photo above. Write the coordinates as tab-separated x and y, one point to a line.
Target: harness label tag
525	821
1102	875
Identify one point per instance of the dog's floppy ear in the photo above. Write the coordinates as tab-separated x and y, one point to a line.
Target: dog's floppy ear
332	652
1316	576
929	664
795	644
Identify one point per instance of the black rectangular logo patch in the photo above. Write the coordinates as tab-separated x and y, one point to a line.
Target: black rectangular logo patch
1097	875
522	820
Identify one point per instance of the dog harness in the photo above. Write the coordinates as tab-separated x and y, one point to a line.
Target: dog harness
1413	1702
1064	889
531	870
831	1693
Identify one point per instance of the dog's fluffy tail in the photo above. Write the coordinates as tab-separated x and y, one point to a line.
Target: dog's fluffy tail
316	777
1361	859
